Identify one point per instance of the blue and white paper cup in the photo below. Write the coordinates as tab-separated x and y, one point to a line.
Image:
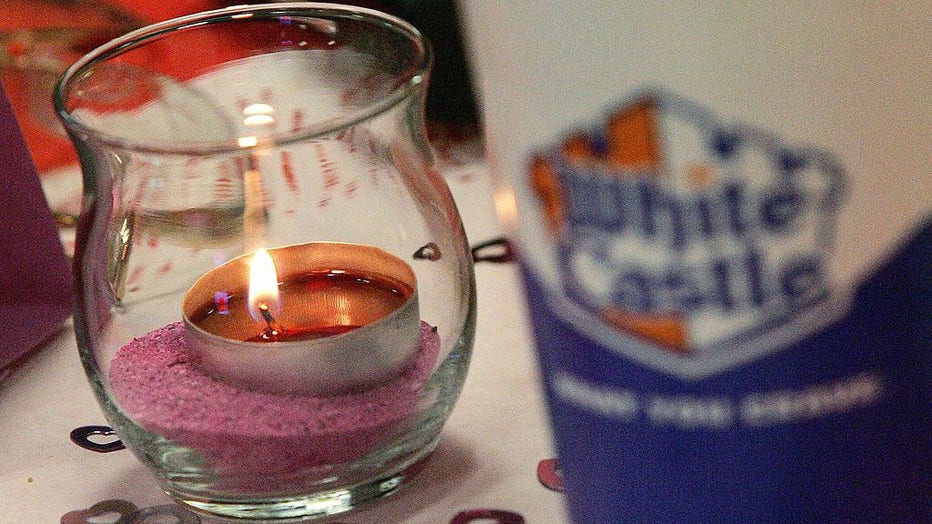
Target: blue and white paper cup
724	219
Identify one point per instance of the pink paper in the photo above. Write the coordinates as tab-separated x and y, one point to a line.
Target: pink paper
35	280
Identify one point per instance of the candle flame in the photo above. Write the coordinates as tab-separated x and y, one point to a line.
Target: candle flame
263	287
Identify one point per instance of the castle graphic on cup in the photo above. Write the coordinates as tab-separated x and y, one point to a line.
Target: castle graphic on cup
684	242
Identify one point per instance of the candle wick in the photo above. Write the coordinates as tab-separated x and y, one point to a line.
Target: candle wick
273	329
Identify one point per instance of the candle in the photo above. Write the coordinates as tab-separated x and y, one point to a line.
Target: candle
320	318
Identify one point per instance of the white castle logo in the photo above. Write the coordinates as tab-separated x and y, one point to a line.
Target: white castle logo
693	244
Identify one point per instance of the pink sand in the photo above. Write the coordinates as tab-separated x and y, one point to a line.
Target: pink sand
244	432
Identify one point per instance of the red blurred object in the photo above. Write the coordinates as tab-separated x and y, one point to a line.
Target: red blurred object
40	38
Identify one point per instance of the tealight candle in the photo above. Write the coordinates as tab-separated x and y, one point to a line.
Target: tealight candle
320	318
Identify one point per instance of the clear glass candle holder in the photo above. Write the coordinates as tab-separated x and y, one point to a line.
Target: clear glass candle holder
275	295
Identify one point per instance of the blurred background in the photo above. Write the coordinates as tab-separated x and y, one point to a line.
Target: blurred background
40	38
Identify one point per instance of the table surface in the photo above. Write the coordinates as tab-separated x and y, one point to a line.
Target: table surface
487	458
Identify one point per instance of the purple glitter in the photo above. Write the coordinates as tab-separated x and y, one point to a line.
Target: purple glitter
241	432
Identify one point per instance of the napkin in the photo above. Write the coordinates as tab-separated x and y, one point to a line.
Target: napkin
35	281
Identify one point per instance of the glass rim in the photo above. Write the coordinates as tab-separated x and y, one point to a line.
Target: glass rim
140	36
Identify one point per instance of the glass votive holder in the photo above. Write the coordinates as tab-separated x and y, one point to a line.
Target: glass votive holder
251	312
